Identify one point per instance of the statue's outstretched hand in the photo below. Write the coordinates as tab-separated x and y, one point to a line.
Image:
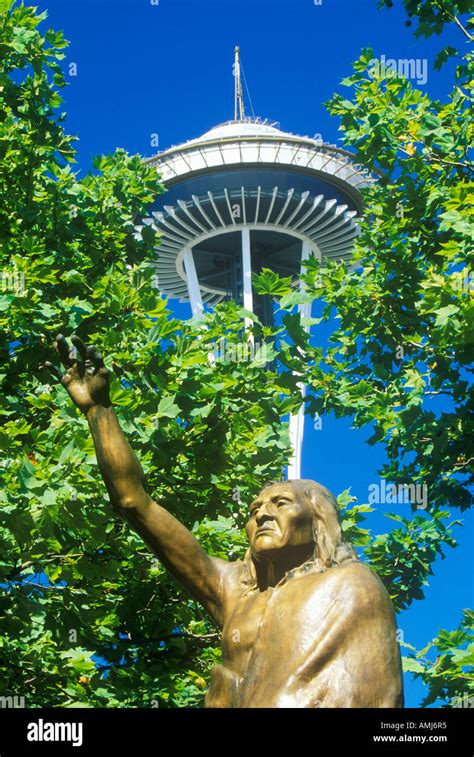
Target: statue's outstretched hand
86	379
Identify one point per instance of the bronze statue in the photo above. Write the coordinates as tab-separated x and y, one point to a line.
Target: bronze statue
304	622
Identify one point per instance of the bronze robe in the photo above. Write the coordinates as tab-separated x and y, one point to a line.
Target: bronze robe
343	652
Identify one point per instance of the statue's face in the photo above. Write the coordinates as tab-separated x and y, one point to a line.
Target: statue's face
280	517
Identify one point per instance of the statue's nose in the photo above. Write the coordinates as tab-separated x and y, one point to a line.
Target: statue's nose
264	514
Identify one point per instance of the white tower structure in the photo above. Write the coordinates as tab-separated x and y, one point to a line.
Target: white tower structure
246	195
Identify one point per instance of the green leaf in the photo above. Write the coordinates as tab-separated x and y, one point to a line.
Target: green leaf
168	408
269	282
412	666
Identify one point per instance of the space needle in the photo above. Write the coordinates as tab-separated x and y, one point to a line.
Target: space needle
245	196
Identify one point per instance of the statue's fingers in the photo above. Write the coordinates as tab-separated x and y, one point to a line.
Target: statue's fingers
80	346
64	351
53	370
96	358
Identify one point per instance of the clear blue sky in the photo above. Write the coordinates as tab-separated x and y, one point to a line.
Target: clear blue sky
166	69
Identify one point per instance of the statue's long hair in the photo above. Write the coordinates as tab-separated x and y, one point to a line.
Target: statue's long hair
329	548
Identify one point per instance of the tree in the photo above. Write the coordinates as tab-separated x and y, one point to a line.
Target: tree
87	615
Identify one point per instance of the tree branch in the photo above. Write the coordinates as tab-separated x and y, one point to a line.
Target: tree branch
454	18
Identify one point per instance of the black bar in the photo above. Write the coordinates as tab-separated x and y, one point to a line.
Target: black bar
140	732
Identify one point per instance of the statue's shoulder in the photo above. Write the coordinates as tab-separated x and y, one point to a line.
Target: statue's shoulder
355	570
357	580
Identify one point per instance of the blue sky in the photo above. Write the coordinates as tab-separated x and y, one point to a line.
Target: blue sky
145	69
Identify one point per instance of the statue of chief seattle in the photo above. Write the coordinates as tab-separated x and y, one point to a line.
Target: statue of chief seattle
304	623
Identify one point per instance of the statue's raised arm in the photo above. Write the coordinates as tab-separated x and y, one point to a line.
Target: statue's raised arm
87	380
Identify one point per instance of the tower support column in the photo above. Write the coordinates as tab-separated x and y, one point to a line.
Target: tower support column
194	290
247	274
297	421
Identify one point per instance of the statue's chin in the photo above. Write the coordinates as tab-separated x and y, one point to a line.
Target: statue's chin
266	546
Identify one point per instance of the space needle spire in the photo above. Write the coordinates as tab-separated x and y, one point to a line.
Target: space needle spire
238	97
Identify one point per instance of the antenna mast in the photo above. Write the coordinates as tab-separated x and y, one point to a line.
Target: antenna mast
239	98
